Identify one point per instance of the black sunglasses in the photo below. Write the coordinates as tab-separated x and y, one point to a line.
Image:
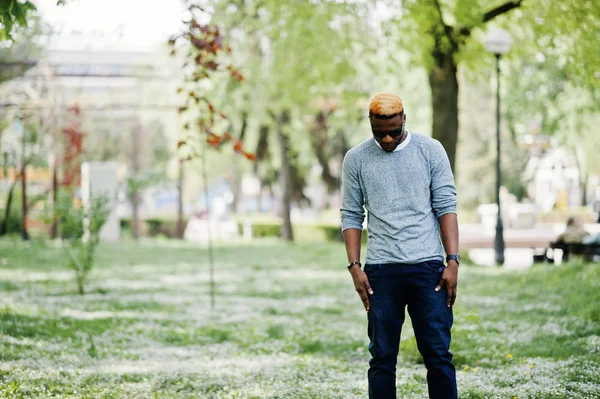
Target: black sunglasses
380	134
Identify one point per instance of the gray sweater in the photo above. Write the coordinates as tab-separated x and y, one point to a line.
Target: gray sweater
404	192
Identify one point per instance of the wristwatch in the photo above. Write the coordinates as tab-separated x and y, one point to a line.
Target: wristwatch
354	263
455	257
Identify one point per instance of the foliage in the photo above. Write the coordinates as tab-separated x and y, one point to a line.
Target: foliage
73	149
563	32
144	179
14	222
545	100
441	35
565	29
205	57
156	227
79	229
14	12
17	13
301	61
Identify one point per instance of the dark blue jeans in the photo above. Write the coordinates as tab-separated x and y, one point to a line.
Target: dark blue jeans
395	287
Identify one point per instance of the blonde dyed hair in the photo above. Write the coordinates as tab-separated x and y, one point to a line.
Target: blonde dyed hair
385	104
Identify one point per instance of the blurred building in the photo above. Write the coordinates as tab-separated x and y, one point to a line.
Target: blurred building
554	180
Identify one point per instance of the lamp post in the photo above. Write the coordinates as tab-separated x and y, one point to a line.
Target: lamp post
498	42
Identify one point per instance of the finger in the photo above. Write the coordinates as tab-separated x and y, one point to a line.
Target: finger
368	287
453	299
363	297
366	303
440	284
449	296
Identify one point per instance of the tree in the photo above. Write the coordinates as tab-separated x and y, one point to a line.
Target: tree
443	34
297	57
204	49
147	160
80	232
33	115
547	98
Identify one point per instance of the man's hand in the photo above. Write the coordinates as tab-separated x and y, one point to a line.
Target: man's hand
450	280
362	286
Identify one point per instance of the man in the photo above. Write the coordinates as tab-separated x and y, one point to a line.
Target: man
405	182
574	233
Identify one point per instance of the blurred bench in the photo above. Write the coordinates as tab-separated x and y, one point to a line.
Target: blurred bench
588	251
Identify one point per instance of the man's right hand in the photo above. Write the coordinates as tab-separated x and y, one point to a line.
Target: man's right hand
362	286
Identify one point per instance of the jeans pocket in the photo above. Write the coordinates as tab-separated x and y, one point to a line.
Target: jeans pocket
434	265
371	269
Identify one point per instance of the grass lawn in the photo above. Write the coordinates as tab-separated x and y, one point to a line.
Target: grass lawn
287	324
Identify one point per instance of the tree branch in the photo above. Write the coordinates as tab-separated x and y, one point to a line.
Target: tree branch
504	8
465	31
447	28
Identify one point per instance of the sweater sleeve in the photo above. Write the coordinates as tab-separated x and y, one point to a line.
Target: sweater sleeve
352	210
443	190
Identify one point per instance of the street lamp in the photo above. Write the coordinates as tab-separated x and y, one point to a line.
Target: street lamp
498	42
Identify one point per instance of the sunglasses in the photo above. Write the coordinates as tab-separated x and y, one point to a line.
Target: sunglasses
380	134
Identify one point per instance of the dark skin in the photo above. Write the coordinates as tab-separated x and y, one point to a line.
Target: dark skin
389	143
448	226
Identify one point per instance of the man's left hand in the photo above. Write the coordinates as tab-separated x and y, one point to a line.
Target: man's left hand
450	280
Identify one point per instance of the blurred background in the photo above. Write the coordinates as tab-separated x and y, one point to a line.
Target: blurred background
170	192
97	81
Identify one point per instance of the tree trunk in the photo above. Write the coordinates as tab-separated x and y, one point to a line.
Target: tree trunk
237	171
259	197
54	227
262	146
80	285
584	193
262	157
24	205
285	176
135	214
444	101
321	145
583	174
9	198
24	162
180	222
136	166
236	206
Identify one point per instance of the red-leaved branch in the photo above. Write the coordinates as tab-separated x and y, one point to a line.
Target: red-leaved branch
204	59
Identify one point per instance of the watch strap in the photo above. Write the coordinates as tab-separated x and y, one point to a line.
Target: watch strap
354	263
455	257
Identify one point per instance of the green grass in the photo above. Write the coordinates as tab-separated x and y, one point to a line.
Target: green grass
287	324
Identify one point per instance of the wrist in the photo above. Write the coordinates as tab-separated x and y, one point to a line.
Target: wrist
455	258
354	269
453	264
354	265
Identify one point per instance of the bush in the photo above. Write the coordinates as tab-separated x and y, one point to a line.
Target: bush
125	224
155	227
161	226
79	229
15	221
303	232
263	230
